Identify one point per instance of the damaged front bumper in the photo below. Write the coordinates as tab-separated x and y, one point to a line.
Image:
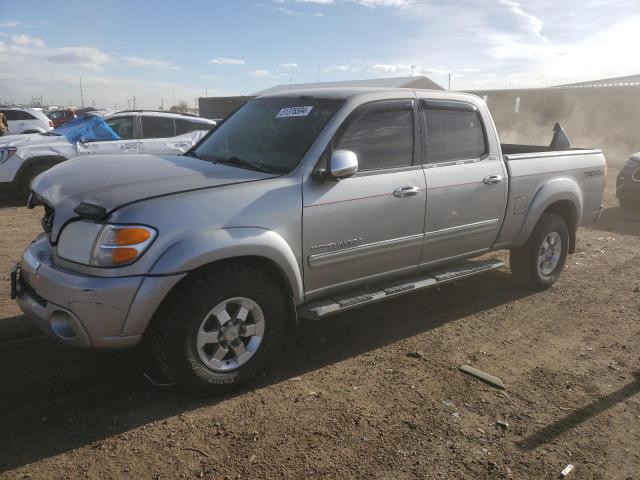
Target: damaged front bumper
82	310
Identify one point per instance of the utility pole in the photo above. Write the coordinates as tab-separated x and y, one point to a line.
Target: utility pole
81	94
206	92
162	104
412	69
134	102
449	82
128	104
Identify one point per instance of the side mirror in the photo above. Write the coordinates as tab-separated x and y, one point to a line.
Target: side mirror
343	164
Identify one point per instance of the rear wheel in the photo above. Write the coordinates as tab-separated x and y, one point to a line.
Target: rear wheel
219	328
539	262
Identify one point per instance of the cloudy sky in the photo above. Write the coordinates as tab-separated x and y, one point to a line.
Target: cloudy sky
166	51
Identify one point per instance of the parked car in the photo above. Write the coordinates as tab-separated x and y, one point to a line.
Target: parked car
26	120
299	205
628	183
60	117
26	156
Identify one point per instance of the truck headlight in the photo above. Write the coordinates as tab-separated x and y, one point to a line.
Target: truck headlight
6	153
104	245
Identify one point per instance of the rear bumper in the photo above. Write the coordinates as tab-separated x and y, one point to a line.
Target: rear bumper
85	311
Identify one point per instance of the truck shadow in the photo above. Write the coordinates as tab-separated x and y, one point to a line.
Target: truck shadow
619	220
550	432
55	399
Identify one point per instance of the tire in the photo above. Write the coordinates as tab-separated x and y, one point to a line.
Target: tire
189	310
31	173
526	264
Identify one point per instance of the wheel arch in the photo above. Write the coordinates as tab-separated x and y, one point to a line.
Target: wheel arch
562	197
31	162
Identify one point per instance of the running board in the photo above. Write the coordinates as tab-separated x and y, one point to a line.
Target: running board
338	304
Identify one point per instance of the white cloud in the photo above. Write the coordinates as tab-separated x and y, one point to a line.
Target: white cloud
226	61
384	69
9	24
384	3
259	73
289	66
150	62
83	57
532	23
26	40
318	2
341	68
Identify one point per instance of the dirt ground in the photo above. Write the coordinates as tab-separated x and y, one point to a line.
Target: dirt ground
347	400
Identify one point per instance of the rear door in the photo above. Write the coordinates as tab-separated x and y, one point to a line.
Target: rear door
125	127
467	183
370	225
158	136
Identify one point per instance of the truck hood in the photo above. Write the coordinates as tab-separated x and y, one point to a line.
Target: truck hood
111	181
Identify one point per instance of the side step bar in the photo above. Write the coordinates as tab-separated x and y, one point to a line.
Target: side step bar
469	268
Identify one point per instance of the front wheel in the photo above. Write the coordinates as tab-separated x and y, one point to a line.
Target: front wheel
539	262
219	328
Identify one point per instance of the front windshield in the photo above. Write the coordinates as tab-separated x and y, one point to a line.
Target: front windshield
271	134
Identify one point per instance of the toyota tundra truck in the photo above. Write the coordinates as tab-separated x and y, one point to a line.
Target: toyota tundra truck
299	206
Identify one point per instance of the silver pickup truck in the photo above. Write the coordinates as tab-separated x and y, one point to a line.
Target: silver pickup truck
298	206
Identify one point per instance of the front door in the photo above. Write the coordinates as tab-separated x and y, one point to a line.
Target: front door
358	229
466	183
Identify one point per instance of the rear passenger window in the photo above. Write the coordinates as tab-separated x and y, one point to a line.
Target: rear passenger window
14	115
157	127
381	139
454	135
186	126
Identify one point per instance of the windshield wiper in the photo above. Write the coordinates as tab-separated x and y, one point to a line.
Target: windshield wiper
239	162
191	154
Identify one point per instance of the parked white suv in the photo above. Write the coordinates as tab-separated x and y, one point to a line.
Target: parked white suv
24	157
26	120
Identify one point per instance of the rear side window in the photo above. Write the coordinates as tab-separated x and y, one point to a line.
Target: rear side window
186	126
382	138
157	127
454	135
13	115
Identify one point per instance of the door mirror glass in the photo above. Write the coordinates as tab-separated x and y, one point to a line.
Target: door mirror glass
343	164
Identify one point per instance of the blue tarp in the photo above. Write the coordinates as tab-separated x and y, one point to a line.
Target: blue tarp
87	130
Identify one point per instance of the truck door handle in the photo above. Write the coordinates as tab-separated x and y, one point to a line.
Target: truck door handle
406	192
127	146
492	179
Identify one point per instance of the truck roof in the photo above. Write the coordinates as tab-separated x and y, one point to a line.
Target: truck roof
348	92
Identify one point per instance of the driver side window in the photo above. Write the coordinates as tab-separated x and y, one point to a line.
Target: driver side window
123	126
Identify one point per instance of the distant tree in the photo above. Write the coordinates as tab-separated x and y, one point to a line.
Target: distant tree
182	107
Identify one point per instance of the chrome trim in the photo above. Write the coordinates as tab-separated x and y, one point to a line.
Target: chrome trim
475	227
327	258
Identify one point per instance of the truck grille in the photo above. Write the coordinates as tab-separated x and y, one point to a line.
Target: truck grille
47	219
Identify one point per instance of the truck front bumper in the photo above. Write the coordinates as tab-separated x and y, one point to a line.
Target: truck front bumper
82	310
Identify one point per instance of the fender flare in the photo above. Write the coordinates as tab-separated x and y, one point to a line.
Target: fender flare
556	190
211	246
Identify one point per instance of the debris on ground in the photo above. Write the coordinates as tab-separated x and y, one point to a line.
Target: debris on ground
566	471
495	381
502	424
416	354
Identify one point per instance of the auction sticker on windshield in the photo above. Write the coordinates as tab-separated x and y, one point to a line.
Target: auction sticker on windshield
295	112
